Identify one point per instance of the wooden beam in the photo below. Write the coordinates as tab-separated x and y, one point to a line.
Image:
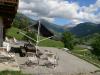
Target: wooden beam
8	1
1	31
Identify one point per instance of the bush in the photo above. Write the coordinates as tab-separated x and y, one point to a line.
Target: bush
96	46
68	40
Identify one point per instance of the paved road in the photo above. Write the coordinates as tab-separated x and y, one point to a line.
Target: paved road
67	64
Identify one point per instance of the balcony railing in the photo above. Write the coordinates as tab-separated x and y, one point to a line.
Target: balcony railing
8	7
8	1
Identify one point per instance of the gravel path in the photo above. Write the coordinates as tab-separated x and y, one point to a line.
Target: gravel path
67	64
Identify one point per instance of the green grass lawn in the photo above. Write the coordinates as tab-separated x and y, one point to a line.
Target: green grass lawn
12	73
51	43
86	55
12	32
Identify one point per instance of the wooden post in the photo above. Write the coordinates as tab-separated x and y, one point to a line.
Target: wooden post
1	32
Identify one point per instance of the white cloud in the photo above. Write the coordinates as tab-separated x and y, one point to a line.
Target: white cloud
90	13
48	19
75	22
50	9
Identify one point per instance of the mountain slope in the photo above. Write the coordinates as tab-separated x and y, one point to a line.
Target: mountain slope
52	27
85	29
21	21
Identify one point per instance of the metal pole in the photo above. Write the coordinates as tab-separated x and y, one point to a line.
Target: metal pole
27	36
38	37
37	42
45	39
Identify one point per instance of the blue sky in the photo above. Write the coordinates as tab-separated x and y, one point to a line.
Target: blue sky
61	21
81	3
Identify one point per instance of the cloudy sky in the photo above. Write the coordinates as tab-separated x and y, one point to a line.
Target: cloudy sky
62	12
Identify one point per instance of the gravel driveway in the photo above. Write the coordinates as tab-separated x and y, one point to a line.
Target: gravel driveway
67	65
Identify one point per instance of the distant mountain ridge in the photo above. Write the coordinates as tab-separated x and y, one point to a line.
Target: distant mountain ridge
21	21
85	29
52	27
80	30
22	18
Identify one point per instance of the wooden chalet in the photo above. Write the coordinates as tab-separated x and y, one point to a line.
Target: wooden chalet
44	31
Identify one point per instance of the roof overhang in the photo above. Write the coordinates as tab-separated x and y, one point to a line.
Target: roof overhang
43	30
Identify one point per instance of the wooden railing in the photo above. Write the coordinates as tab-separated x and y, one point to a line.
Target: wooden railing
8	1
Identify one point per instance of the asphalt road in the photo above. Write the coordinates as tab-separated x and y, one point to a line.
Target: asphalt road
67	65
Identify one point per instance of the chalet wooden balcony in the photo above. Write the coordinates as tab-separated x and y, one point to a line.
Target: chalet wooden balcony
8	10
8	7
8	1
